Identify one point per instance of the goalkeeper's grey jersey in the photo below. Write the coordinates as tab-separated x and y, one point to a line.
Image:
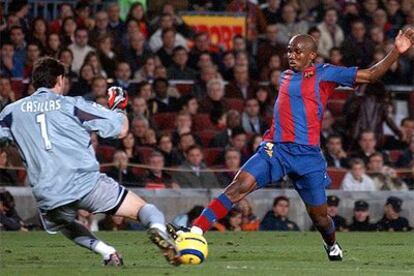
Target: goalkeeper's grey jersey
52	133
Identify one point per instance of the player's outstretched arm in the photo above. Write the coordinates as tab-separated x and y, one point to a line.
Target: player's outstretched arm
403	41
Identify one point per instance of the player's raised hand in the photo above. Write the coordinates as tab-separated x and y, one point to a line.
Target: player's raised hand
404	40
117	98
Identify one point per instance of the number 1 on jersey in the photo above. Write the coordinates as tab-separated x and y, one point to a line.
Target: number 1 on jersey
41	120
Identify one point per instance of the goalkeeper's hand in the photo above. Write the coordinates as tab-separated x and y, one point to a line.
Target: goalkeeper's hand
117	98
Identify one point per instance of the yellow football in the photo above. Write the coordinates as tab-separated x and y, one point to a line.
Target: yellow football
192	248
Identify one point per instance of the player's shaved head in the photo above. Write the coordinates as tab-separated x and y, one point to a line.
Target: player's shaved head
306	40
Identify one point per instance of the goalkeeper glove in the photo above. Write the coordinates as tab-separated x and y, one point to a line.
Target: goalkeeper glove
117	98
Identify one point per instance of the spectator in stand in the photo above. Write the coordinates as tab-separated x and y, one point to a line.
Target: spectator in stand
9	219
178	23
367	145
123	78
254	143
407	158
357	48
68	31
179	70
229	61
335	155
165	52
392	220
256	22
117	223
7	94
65	10
100	29
166	23
377	36
83	85
8	65
156	174
106	54
8	177
233	120
232	161
360	220
147	71
121	172
139	107
202	44
317	12
277	218
128	146
33	54
133	45
165	147
207	74
80	48
137	12
66	57
186	220
250	222
335	56
53	45
150	138
162	102
238	140
367	10
189	104
98	88
273	63
270	46
233	220
17	37
274	82
83	12
192	177
272	11
407	132
265	100
290	24
183	124
372	110
145	91
93	60
339	221
140	126
116	26
330	127
251	120
38	32
186	140
214	100
384	177
395	16
356	179
242	86
331	33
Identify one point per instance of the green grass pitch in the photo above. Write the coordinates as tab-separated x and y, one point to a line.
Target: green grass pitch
246	253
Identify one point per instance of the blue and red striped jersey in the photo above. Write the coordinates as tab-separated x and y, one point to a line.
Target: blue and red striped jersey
299	108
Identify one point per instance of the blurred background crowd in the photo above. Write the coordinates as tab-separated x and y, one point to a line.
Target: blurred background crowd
198	110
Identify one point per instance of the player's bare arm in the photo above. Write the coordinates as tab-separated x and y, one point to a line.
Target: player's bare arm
403	42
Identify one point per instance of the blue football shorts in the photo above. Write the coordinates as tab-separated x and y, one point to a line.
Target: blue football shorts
305	165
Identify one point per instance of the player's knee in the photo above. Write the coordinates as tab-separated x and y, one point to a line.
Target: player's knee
238	189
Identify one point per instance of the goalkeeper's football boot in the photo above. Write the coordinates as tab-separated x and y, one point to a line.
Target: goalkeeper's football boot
115	259
166	244
334	251
174	231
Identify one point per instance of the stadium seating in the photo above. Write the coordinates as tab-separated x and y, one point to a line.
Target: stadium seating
336	175
211	155
394	155
144	153
202	122
206	136
235	103
107	152
165	120
336	107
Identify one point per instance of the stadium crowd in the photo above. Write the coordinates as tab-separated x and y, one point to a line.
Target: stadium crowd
194	105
